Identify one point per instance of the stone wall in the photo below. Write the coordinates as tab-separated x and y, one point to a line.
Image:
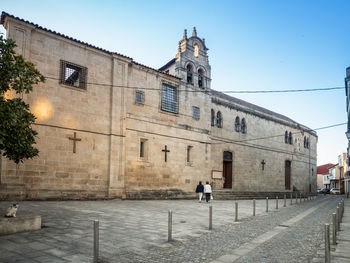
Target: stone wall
110	126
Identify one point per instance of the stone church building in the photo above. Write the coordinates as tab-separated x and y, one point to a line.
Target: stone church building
110	127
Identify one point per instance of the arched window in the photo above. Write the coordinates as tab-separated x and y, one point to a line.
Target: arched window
237	124
189	74
307	143
286	137
243	126
219	120
304	142
200	78
290	138
196	50
212	117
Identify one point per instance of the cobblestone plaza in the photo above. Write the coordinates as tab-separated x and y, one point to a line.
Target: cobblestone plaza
136	231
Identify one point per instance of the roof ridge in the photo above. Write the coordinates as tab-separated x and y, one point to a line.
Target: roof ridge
5	14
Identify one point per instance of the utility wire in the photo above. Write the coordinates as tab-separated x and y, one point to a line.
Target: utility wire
207	91
282	135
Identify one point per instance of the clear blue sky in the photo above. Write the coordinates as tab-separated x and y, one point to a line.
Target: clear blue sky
253	45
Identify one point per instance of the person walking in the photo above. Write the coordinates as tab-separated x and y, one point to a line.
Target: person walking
200	190
207	191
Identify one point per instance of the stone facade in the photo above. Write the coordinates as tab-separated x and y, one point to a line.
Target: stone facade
127	113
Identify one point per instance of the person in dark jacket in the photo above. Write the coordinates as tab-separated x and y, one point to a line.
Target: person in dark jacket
200	190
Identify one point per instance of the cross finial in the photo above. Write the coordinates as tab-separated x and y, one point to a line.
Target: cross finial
194	32
185	34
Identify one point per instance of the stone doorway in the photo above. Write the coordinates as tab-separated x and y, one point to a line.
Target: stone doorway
227	170
287	174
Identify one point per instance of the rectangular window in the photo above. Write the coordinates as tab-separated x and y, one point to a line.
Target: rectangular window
143	149
139	97
196	112
170	101
73	75
189	148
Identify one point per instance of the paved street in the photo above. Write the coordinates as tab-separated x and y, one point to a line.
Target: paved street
136	231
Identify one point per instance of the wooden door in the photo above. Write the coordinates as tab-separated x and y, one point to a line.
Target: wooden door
287	174
227	174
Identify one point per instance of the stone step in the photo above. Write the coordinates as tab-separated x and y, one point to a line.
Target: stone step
12	192
232	195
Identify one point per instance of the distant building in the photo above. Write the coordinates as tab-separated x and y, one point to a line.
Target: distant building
323	176
347	92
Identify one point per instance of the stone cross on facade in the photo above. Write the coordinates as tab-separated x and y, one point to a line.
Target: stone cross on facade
165	151
263	164
74	139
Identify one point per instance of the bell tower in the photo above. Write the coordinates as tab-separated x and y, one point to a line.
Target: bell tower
192	63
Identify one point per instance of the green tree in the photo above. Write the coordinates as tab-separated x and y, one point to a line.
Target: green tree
17	138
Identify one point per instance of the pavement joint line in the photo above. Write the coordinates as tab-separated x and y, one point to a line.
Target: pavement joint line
245	248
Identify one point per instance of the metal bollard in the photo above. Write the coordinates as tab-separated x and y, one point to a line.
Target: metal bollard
253	207
300	198
210	217
267	204
334	217
236	211
296	198
276	202
96	240
338	218
327	245
285	201
291	199
170	225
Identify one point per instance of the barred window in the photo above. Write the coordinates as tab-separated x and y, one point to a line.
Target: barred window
170	100
196	112
73	75
139	97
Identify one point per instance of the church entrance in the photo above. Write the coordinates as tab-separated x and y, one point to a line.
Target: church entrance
227	170
287	174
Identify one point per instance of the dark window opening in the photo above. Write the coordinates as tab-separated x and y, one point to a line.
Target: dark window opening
290	138
237	124
212	117
243	126
189	74
73	75
286	137
219	120
200	78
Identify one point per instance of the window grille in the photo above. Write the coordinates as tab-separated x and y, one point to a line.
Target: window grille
170	101
73	75
139	97
196	112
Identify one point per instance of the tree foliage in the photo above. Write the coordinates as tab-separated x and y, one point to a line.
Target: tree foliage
17	138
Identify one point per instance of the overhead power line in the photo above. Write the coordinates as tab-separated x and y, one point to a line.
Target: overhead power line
206	91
